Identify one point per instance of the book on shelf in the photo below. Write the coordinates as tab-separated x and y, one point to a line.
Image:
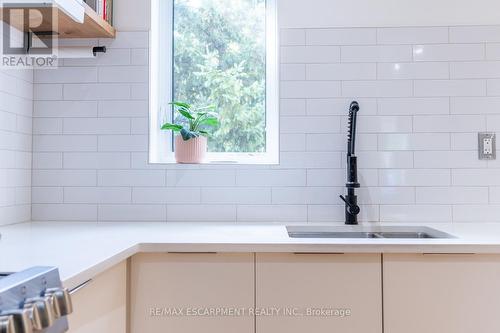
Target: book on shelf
103	8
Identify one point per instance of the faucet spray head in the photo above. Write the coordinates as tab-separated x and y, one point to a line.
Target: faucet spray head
351	136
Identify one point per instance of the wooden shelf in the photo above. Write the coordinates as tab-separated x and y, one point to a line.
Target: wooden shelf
66	27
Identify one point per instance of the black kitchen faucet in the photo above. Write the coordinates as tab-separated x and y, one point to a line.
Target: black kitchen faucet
351	199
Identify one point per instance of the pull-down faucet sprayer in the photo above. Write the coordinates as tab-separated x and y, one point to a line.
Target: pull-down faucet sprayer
351	200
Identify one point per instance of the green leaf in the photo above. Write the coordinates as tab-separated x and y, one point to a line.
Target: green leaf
172	127
210	122
204	133
186	114
181	105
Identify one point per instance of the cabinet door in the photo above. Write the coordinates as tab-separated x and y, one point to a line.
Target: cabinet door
347	287
101	305
179	293
441	293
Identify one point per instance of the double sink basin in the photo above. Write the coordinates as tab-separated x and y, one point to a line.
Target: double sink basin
357	232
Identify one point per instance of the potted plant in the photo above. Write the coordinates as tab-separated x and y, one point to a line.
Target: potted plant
193	127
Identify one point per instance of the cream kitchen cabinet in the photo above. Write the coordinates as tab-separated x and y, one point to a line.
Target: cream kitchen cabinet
441	293
192	293
320	293
100	306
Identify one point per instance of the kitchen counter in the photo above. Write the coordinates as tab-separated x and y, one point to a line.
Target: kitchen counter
83	250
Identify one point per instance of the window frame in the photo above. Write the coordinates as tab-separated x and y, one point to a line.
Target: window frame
160	142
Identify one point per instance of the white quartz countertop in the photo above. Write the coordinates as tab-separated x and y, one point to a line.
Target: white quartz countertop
83	250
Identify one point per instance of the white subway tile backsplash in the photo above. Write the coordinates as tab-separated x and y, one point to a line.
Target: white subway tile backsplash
310	89
131	178
412	35
64	178
132	213
493	51
293	37
310	54
449	52
292	107
198	178
413	71
310	124
128	40
415	177
327	213
125	143
242	195
475	177
425	93
47	160
415	213
355	36
386	195
452	195
112	74
139	57
126	109
464	141
66	75
109	126
378	53
382	124
48	92
414	141
292	142
112	57
447	160
47	125
272	213
338	106
98	161
429	88
475	34
475	70
475	105
100	91
64	212
66	109
293	72
102	195
476	213
385	159
47	195
336	72
494	195
201	213
380	88
493	87
62	143
271	177
453	123
149	195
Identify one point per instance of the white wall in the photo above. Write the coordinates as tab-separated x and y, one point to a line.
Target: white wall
424	93
16	105
387	13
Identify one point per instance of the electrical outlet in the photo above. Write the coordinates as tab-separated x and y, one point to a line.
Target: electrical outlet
487	146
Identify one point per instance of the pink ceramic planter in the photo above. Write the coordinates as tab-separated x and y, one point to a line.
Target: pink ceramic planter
192	151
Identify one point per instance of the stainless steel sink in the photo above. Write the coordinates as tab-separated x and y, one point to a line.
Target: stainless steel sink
367	232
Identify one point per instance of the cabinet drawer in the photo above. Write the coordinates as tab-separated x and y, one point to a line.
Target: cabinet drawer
172	293
101	305
329	292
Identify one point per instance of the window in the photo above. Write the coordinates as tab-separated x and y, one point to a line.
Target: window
220	52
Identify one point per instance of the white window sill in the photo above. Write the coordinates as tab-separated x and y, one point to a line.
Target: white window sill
225	159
